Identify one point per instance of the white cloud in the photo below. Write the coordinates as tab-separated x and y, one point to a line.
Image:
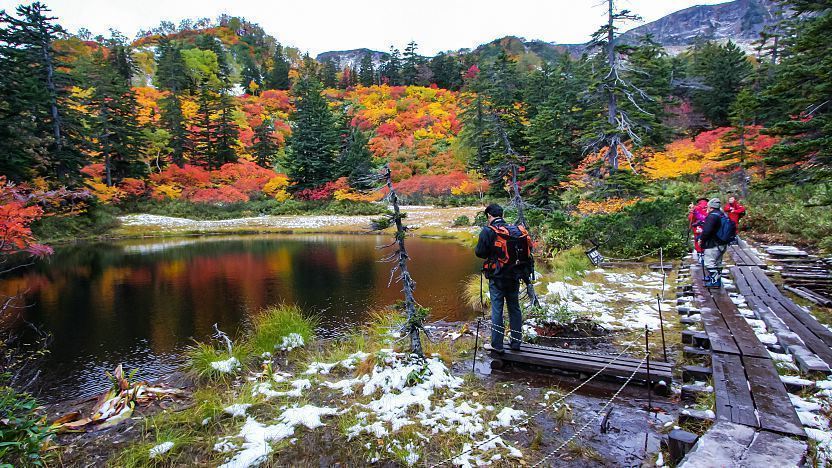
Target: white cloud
317	26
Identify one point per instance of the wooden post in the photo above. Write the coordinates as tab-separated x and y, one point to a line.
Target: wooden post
647	352
476	345
661	324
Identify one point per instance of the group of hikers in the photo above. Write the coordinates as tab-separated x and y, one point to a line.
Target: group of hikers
714	227
507	251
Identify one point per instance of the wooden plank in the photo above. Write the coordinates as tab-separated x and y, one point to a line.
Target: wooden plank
804	317
774	408
572	364
718	332
733	398
812	341
598	357
743	334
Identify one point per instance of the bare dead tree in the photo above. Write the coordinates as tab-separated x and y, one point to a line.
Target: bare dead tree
415	314
620	126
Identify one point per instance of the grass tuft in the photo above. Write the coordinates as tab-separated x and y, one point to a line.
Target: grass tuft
276	322
200	356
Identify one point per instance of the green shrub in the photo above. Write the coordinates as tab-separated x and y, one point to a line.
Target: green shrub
462	221
792	213
275	323
96	221
23	432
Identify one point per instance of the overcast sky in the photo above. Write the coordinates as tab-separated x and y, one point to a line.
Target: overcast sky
317	26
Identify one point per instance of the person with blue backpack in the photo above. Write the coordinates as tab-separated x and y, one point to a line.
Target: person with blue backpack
717	232
507	250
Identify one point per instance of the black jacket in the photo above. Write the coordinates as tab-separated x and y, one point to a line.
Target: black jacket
710	227
485	244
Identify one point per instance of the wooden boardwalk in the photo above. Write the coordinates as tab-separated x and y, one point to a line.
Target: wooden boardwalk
577	361
764	297
743	256
747	387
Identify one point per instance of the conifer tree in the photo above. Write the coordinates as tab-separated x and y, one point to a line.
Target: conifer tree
366	72
804	82
278	76
447	71
723	70
357	161
172	76
556	119
250	77
742	114
265	147
226	132
329	74
315	140
391	69
37	125
117	137
410	64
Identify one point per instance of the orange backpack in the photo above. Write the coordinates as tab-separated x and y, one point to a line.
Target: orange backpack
512	255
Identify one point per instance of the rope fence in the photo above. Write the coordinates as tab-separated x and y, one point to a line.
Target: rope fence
543	410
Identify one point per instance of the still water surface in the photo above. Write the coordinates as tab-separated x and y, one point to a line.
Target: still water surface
141	302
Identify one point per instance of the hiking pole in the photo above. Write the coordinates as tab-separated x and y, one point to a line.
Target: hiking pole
476	345
647	351
661	324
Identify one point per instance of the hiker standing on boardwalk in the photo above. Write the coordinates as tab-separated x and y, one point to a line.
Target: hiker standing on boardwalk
717	232
696	217
506	249
735	210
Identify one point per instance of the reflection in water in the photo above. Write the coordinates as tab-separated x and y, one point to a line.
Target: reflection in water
140	302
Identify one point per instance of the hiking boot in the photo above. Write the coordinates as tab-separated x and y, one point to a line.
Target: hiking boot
713	284
499	351
515	346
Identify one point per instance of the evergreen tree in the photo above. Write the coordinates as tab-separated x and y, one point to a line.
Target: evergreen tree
117	137
315	141
265	147
391	69
38	127
366	72
557	116
357	161
329	74
723	70
742	114
278	76
250	76
651	71
803	82
172	76
226	132
410	65
447	71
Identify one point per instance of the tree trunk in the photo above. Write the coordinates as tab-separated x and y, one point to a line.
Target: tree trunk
613	103
407	281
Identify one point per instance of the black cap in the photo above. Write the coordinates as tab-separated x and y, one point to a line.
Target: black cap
494	210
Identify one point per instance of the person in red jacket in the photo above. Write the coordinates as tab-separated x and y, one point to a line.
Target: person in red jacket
696	217
735	211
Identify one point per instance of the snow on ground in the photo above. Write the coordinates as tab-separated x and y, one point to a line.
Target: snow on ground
622	301
399	392
161	449
227	366
284	222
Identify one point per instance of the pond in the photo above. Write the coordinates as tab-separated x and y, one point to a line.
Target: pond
141	302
